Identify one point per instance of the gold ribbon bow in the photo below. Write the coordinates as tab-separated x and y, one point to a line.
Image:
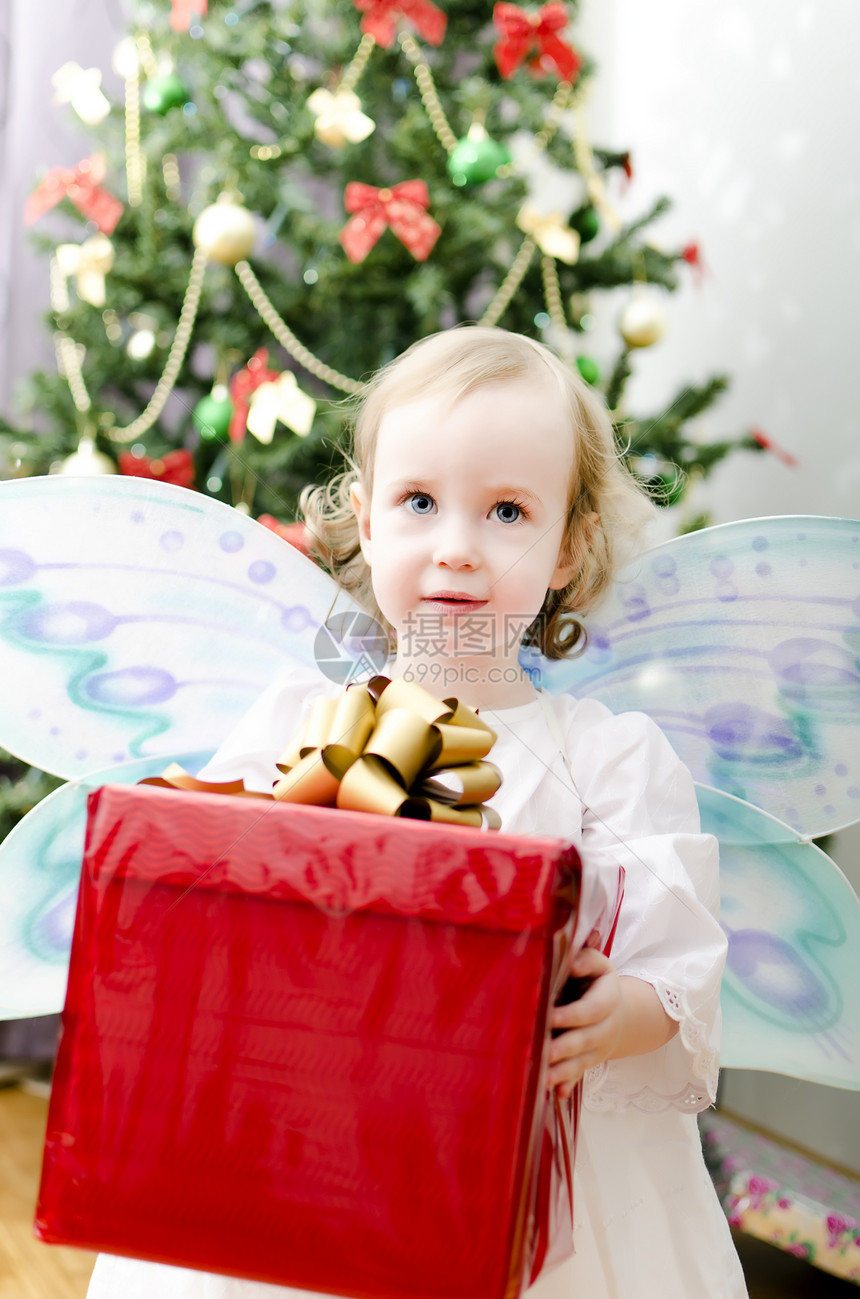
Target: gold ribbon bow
89	262
390	747
339	119
81	87
549	232
387	747
283	400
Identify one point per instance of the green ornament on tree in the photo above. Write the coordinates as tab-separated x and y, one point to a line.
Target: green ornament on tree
476	158
589	369
212	415
586	222
160	94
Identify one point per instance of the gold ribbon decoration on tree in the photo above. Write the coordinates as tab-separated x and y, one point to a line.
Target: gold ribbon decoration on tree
339	119
89	263
280	399
549	232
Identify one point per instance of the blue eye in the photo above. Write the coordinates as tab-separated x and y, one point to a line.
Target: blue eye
421	503
507	512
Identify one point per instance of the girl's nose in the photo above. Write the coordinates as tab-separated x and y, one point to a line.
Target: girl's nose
456	546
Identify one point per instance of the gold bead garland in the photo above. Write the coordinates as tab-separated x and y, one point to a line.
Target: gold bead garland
175	357
135	163
366	46
67	352
585	166
286	337
429	95
172	179
510	283
552	291
147	58
560	102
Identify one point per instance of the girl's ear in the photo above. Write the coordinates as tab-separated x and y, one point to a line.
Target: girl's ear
361	507
563	575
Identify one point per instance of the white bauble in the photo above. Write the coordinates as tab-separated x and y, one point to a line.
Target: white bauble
643	321
86	462
226	232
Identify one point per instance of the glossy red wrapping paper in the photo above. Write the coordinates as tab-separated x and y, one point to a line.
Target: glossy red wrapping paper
307	1047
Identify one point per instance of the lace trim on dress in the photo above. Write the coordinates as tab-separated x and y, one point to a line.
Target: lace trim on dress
700	1091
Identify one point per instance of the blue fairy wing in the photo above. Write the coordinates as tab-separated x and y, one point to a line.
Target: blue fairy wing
741	642
139	619
40	866
793	924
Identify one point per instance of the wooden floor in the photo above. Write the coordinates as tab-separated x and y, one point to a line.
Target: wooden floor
31	1270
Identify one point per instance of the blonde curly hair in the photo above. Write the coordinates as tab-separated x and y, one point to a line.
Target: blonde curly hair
607	510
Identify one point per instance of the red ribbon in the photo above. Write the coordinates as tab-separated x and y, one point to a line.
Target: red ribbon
243	383
403	208
81	184
183	13
176	467
380	19
522	32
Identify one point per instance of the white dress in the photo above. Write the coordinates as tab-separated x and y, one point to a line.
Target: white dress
648	1224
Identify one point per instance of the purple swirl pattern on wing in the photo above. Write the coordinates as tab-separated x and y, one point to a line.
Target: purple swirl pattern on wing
743	643
140	618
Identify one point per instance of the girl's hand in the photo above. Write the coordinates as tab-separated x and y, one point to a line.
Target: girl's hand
615	1017
593	1025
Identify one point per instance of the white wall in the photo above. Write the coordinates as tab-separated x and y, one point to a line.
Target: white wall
35	134
746	113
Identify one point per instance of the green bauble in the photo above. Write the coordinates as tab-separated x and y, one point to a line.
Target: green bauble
589	369
586	222
476	158
212	415
160	94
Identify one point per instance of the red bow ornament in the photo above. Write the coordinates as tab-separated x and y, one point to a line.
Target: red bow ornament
767	444
243	383
81	184
692	255
380	19
183	13
176	467
522	32
403	208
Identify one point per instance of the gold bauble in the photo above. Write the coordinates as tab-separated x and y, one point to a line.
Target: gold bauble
86	462
226	232
642	322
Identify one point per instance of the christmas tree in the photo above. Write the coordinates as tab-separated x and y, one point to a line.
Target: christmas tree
213	301
288	195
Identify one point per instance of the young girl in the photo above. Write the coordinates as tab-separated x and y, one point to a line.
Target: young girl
487	507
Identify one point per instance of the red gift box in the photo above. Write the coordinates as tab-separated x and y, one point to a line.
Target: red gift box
307	1047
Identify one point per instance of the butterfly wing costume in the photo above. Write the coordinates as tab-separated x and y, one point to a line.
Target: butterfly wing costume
138	621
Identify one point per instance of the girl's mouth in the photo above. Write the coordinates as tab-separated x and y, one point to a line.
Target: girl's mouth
453	602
